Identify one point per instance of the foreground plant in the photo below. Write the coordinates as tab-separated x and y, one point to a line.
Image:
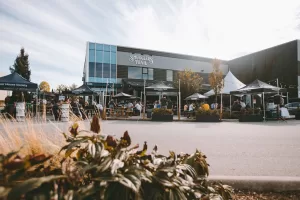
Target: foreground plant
96	166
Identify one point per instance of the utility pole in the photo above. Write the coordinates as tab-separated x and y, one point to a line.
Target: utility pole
144	111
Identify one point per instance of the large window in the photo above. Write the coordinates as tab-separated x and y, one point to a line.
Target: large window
102	63
113	71
92	55
99	70
169	75
106	70
140	73
135	72
113	59
91	69
150	74
99	56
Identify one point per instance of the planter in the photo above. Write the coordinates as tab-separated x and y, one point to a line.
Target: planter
297	116
20	111
207	118
251	118
65	109
162	118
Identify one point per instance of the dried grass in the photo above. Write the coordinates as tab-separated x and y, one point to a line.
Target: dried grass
31	136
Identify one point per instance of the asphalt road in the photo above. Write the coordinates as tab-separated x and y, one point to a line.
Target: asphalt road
232	148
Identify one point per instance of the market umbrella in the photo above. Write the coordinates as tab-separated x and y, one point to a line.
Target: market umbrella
160	87
196	96
257	87
15	81
83	90
121	95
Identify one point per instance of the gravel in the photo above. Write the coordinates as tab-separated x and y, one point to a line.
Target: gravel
249	195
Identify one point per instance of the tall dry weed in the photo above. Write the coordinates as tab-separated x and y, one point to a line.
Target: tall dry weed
31	136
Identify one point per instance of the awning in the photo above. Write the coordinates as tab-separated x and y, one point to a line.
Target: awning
15	81
83	90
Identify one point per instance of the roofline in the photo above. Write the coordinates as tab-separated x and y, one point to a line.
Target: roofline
161	53
296	40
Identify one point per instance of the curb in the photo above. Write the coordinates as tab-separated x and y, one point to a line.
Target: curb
260	183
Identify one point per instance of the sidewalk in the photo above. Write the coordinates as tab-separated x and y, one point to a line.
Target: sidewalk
260	183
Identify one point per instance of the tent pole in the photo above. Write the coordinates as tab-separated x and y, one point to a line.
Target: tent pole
263	94
230	104
179	99
144	111
221	106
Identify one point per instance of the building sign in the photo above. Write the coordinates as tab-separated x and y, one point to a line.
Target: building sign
141	59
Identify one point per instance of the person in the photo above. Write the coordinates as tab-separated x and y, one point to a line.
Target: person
130	106
112	104
99	107
56	111
170	104
191	107
76	108
163	102
212	106
243	105
138	108
155	104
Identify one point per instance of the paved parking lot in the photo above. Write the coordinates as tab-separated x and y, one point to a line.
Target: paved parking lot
232	148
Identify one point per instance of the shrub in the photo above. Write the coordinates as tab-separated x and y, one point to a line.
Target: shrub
99	167
250	111
207	112
162	111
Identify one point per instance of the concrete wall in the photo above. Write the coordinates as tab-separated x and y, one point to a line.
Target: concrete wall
159	62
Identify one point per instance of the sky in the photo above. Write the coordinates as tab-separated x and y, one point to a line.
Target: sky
54	32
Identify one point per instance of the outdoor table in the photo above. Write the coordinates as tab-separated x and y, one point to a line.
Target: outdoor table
128	112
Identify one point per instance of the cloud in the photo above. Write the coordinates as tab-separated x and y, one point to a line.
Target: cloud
54	33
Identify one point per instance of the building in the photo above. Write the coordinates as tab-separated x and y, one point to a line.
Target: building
281	62
126	68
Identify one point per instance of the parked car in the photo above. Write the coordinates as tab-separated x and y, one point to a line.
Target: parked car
292	107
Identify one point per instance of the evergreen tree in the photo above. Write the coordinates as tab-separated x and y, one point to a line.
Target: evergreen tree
21	65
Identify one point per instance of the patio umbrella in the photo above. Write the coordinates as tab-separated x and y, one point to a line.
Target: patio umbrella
196	96
121	95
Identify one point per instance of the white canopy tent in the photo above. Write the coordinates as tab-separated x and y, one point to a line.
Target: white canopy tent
231	83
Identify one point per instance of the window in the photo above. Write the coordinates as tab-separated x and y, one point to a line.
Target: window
99	70
113	71
113	59
99	57
91	69
99	47
169	75
106	47
106	70
135	72
106	57
150	74
92	46
145	70
92	55
113	48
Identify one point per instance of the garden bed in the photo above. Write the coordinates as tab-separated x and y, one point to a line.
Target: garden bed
251	118
162	118
207	118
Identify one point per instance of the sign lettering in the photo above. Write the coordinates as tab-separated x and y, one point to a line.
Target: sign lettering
141	59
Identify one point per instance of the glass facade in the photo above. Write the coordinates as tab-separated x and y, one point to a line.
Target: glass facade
102	63
140	73
169	75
